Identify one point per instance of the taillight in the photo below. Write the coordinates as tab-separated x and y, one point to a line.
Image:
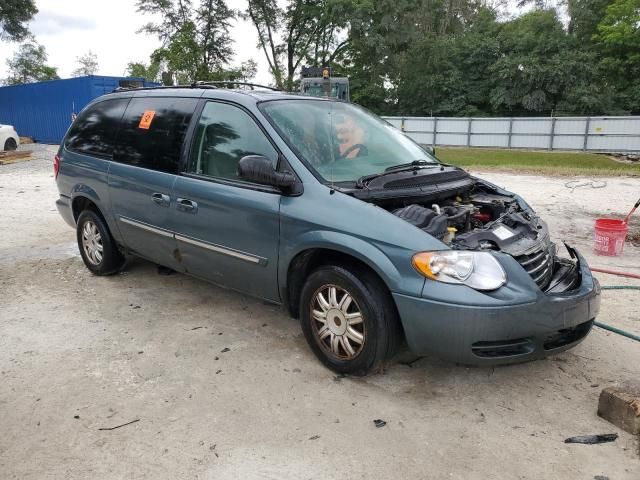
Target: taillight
56	166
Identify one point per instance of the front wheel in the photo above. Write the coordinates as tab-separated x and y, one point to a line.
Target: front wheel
348	319
97	247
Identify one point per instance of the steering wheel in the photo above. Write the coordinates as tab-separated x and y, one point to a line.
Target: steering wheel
362	150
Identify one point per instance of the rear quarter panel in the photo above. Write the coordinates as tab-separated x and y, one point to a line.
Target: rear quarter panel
86	176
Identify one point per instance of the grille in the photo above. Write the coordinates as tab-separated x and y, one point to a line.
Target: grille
539	264
506	348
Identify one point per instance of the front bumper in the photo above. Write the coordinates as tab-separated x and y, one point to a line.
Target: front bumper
491	335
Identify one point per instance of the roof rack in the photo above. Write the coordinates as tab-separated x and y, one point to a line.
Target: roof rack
199	84
233	82
157	87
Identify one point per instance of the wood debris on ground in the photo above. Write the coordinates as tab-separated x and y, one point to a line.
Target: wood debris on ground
15	156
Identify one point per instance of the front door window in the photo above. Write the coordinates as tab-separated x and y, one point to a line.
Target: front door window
224	135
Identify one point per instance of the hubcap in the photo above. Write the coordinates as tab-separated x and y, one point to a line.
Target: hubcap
337	322
92	243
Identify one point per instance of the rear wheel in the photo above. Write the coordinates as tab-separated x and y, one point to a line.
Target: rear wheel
348	319
97	247
10	145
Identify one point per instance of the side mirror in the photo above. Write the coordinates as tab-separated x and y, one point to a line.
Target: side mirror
431	150
259	169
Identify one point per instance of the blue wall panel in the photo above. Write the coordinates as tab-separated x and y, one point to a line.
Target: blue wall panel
44	110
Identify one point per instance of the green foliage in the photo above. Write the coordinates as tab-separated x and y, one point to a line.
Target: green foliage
618	40
246	71
538	64
14	14
450	74
28	65
474	64
584	17
87	65
150	72
303	31
424	57
620	27
196	40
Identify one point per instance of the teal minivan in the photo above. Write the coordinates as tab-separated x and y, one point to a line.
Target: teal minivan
323	207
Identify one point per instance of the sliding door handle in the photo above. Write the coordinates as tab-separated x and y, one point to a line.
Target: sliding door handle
186	205
161	199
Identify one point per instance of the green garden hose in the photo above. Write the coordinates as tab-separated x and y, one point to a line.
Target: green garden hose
621	287
618	331
624	333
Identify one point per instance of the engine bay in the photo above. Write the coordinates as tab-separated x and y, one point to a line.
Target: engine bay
466	213
477	219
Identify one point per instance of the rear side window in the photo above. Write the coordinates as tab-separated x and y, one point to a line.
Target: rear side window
93	132
152	132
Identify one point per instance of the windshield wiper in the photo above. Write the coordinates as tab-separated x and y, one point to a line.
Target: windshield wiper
415	165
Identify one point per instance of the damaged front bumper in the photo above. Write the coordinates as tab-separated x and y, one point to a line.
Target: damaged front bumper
491	329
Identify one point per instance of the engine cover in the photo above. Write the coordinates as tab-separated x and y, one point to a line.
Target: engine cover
424	218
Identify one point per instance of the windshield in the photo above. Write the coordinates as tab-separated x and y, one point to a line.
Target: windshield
341	141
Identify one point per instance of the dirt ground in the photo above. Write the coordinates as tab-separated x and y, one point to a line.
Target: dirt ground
79	353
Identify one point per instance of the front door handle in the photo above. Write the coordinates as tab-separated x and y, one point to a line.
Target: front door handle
161	199
186	205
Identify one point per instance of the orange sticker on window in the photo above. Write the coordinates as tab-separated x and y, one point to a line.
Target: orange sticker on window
147	117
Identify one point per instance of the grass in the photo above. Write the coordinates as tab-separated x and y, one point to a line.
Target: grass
549	163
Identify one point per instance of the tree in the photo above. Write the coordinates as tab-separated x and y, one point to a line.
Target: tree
247	70
87	65
419	57
584	16
620	27
474	64
196	41
14	14
305	30
392	43
266	17
150	72
28	65
539	66
449	75
618	38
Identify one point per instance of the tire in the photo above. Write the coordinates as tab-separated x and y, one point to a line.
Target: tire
10	145
97	247
346	342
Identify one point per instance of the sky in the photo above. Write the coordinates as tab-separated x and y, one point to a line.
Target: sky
69	28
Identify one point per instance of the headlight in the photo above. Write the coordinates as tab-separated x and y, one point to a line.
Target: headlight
479	270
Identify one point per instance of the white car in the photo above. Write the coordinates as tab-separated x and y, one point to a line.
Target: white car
9	139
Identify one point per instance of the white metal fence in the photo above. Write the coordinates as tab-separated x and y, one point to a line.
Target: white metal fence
594	134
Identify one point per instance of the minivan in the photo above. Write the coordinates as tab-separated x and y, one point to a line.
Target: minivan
321	206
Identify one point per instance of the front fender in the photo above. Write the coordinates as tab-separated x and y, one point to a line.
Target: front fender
384	263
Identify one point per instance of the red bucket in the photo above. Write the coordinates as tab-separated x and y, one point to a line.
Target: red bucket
609	235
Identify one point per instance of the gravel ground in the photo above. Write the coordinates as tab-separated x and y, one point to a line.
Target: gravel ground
79	353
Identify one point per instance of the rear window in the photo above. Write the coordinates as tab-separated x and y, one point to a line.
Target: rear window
152	132
93	132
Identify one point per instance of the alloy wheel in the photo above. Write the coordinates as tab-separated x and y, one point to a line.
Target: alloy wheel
337	322
92	242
